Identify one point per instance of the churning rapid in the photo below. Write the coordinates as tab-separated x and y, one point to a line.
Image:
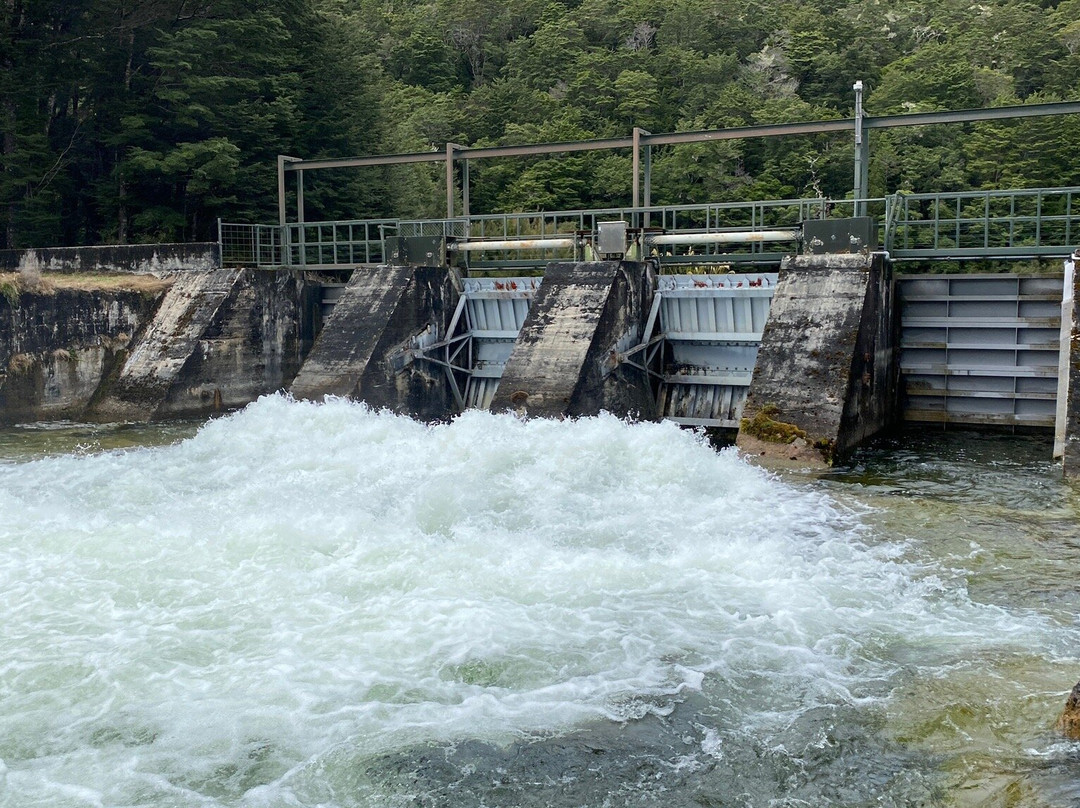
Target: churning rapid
308	605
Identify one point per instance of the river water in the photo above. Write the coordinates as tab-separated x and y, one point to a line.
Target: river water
302	605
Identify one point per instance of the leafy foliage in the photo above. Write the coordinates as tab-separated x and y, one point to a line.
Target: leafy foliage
145	120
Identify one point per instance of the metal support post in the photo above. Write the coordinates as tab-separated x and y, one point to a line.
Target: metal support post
281	158
636	185
635	195
1061	415
465	188
451	150
648	185
286	251
862	152
301	241
300	195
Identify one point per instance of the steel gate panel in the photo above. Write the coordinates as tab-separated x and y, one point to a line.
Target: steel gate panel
712	325
980	349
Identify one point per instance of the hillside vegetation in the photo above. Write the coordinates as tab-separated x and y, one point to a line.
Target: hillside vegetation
146	120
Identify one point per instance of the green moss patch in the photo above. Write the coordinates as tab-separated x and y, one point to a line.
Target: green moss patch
764	426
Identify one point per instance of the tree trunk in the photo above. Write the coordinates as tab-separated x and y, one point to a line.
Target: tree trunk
13	10
9	150
121	211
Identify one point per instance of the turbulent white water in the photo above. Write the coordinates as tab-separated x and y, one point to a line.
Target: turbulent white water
242	617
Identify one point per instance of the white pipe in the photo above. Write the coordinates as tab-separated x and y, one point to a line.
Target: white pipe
738	237
514	244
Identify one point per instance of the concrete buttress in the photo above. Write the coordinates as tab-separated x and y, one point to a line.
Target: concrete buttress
367	347
826	375
168	342
566	361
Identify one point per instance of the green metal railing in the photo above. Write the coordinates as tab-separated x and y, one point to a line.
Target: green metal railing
334	244
958	225
1019	223
251	244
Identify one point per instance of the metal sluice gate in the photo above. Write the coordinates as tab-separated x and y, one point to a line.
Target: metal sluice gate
699	344
975	350
981	349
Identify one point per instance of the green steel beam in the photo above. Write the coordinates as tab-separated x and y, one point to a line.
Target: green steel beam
700	136
357	162
548	148
740	132
972	115
977	253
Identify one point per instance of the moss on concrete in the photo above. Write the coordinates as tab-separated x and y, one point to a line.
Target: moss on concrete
764	427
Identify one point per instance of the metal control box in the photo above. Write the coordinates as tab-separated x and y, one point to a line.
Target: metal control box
611	239
855	235
421	251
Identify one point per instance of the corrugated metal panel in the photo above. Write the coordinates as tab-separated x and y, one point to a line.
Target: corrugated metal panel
495	310
481	391
713	326
980	349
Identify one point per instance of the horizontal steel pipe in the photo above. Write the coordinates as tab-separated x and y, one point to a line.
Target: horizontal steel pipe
737	237
511	244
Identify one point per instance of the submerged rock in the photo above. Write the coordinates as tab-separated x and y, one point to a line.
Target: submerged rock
1069	723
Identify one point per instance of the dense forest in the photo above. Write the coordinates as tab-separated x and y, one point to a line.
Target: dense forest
146	120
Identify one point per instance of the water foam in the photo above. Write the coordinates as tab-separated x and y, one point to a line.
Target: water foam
204	622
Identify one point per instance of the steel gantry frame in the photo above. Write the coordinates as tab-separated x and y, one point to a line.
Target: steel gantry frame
641	143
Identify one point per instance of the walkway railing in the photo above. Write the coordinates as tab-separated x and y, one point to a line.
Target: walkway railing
961	225
1019	223
251	245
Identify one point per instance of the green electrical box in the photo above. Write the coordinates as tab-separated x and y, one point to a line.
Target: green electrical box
420	251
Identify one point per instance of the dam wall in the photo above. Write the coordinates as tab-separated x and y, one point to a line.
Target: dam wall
141	259
193	343
803	364
58	346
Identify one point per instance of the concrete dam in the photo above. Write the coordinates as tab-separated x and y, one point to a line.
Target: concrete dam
803	363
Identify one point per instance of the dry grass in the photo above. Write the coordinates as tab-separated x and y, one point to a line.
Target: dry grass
118	282
20	362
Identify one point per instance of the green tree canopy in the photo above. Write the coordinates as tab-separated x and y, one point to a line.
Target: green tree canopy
143	120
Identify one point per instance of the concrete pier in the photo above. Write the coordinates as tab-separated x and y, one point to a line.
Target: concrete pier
566	359
165	346
254	346
217	341
826	373
367	346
